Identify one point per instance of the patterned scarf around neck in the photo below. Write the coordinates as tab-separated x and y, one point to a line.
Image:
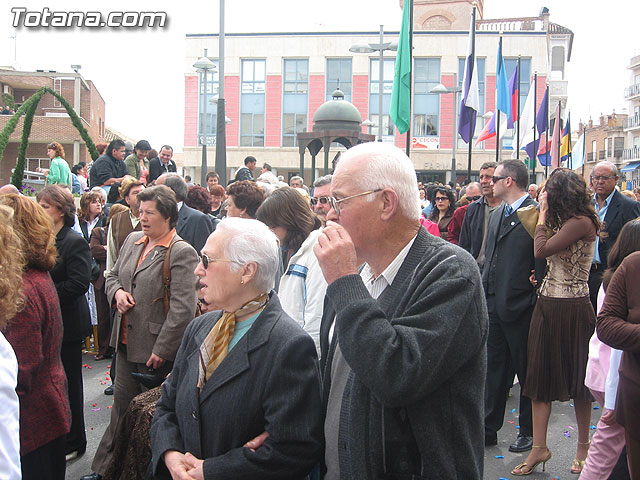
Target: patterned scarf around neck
215	347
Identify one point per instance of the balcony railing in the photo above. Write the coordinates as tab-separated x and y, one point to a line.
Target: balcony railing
631	154
632	122
601	154
527	24
590	157
632	91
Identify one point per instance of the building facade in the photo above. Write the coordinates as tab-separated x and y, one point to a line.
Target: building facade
631	154
275	82
603	141
51	121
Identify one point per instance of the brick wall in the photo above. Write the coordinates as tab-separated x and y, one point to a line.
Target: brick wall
273	111
316	96
232	108
360	96
446	113
191	111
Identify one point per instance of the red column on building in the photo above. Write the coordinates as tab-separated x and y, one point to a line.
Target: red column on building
191	111
273	111
232	108
316	97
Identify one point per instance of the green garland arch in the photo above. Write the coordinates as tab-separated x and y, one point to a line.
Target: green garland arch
28	109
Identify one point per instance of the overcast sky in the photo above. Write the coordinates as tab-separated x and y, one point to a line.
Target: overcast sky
139	73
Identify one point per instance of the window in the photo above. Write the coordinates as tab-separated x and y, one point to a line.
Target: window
57	87
426	106
482	87
207	91
557	62
294	100
338	76
374	98
608	146
618	146
252	103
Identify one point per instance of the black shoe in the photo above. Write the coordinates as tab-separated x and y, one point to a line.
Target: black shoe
108	391
92	476
490	440
522	444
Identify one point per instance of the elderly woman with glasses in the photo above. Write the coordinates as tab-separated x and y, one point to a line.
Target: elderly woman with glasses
245	369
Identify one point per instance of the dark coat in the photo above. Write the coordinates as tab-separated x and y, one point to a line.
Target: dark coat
620	211
156	169
104	168
269	381
471	232
421	348
71	276
509	260
243	173
194	227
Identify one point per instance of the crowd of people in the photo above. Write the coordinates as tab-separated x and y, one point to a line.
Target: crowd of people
368	326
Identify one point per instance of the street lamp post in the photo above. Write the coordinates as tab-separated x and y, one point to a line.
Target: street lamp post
442	90
381	48
204	66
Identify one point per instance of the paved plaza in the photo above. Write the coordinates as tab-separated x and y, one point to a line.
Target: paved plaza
498	461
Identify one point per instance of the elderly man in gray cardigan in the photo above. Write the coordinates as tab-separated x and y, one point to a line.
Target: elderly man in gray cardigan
404	342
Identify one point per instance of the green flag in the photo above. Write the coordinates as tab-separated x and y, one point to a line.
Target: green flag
400	110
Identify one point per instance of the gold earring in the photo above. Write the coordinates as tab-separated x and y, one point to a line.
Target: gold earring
241	282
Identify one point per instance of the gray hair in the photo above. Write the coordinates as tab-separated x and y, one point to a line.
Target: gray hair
534	186
102	193
606	163
176	183
322	181
248	241
296	177
387	167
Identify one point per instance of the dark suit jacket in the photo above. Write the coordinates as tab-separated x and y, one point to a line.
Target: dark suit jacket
269	381
156	169
621	210
71	276
510	260
194	227
471	231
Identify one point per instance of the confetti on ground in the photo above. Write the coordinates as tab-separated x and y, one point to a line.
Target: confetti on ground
571	404
499	456
567	434
96	409
92	427
593	427
569	426
511	421
110	406
596	408
513	411
501	478
94	405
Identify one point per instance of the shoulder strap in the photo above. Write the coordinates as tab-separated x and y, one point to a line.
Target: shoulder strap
166	276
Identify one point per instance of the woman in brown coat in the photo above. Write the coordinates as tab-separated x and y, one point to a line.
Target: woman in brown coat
619	326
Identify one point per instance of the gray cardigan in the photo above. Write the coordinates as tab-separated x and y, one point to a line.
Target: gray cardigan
421	348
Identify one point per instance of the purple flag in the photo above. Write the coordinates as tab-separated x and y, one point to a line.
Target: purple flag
541	118
470	103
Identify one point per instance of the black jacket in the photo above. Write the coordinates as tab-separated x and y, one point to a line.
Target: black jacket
620	211
471	232
156	169
104	168
71	276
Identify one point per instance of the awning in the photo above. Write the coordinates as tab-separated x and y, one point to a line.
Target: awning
630	167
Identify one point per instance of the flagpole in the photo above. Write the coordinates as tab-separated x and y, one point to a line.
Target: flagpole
535	147
518	126
584	146
560	134
546	139
497	107
408	147
473	59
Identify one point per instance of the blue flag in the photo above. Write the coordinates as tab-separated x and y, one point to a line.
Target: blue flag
503	99
541	118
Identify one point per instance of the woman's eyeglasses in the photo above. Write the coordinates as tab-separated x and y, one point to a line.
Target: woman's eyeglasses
206	261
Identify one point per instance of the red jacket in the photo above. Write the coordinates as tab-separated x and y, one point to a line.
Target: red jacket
36	336
455	225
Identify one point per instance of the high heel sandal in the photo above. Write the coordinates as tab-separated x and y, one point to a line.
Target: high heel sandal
578	465
532	468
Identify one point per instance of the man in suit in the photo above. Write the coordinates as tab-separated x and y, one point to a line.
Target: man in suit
161	164
510	301
473	233
404	336
193	226
614	210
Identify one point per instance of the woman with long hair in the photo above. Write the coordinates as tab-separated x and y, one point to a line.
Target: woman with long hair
302	287
71	277
444	200
58	171
36	336
90	214
608	441
563	318
11	264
